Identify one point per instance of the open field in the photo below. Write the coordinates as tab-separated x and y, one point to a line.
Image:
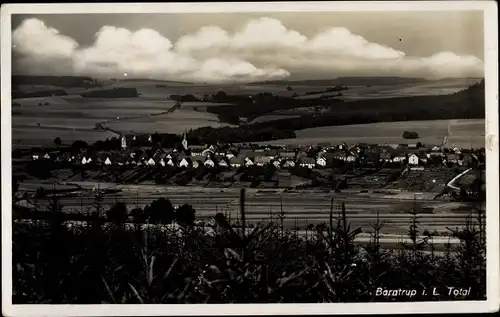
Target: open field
272	117
301	207
27	137
443	87
461	133
72	111
178	122
358	92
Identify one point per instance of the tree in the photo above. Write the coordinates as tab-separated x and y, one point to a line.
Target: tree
118	213
156	138
220	95
78	145
57	141
185	215
161	211
410	135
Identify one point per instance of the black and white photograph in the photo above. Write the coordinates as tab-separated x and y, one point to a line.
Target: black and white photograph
331	154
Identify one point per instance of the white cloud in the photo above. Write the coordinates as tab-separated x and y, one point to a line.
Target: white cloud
263	49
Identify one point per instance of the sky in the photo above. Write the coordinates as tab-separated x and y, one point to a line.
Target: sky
241	47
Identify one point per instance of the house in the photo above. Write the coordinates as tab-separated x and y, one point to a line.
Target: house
170	162
436	149
262	160
229	155
272	152
150	162
237	161
223	163
196	149
321	161
467	159
84	160
337	155
399	158
385	157
276	163
351	157
248	162
162	162
184	163
301	154
46	156
452	158
287	155
308	162
198	158
107	161
197	163
209	162
413	159
288	163
210	150
35	157
371	158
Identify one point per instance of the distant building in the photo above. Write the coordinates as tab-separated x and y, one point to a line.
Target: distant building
248	162
276	163
237	161
196	163
289	163
184	142
263	160
413	159
308	162
209	162
321	161
399	158
124	143
107	161
184	163
223	163
351	158
385	157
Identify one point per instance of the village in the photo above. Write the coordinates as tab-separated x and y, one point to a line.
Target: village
417	156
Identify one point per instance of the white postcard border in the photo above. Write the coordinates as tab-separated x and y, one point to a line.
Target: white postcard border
492	202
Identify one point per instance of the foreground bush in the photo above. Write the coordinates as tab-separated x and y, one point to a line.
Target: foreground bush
183	263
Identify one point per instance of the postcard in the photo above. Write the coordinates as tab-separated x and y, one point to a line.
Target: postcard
249	158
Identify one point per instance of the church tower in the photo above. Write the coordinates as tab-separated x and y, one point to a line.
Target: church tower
184	142
124	143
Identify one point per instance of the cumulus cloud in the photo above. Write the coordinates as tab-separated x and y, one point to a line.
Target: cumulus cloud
263	49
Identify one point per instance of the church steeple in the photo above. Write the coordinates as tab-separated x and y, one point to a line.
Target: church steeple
184	142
